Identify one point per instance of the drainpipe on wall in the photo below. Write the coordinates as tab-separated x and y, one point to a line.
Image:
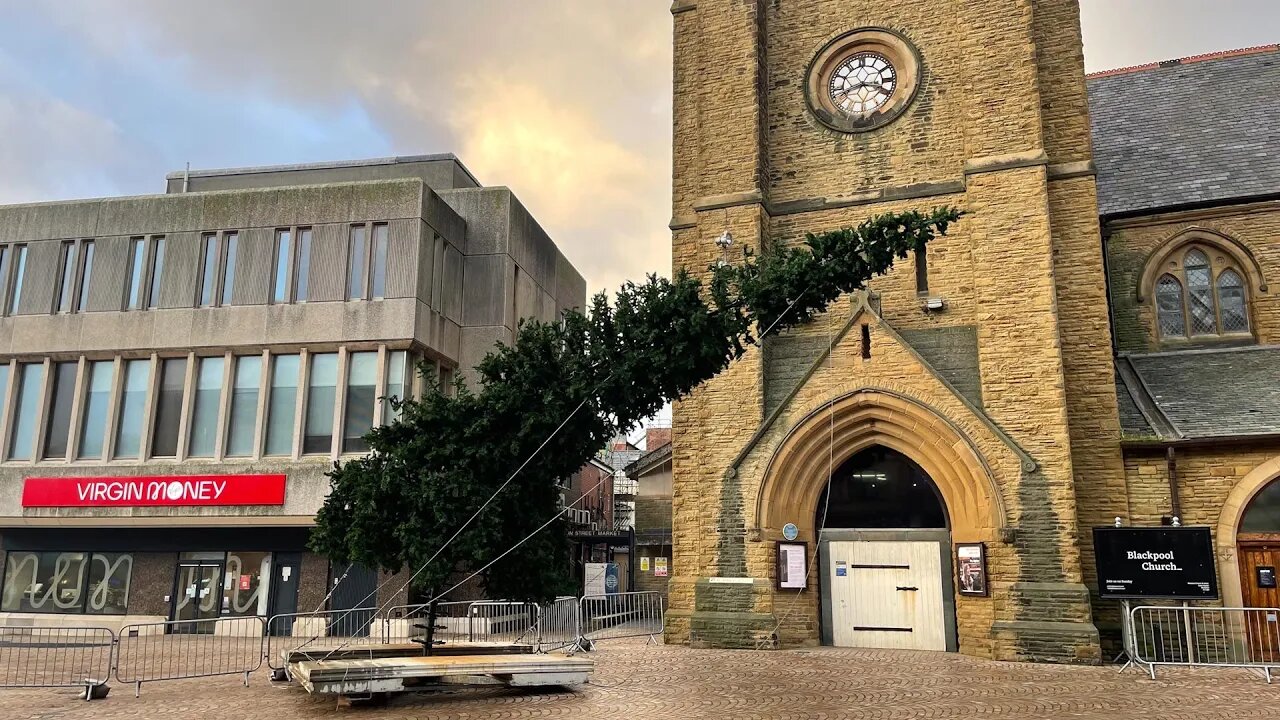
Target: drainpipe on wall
1171	461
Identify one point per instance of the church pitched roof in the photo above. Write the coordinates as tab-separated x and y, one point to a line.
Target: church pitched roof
1200	394
1189	131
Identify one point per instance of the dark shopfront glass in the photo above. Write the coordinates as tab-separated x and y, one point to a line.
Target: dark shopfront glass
67	582
217	584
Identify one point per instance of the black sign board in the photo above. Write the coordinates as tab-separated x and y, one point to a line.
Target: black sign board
1266	577
1174	563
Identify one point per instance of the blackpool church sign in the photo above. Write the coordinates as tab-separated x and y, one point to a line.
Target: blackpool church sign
1174	563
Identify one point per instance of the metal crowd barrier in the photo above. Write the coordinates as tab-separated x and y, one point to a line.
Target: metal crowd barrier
317	634
183	649
408	623
1206	636
559	624
55	656
495	621
621	615
180	649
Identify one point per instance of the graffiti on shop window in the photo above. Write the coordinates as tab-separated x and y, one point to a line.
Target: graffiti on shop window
55	582
242	593
246	600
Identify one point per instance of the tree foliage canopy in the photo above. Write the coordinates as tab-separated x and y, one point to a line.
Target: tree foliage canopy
578	382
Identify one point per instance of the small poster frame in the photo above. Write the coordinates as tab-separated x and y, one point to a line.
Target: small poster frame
971	569
790	553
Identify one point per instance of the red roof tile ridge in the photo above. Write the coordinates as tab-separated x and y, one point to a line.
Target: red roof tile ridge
1255	50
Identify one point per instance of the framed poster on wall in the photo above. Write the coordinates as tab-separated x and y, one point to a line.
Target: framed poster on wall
971	569
793	566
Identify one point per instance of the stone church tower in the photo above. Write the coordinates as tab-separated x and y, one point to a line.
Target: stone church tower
968	397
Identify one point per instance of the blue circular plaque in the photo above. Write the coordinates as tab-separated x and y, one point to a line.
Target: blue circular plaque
790	531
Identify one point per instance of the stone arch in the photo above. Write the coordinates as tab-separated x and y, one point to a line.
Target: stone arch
1229	525
1153	264
797	472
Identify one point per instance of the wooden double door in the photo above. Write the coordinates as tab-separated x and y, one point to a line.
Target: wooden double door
1259	565
886	595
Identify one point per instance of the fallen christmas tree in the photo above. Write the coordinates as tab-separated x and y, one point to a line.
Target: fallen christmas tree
543	406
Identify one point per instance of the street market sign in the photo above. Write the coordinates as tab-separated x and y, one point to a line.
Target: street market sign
1172	563
153	491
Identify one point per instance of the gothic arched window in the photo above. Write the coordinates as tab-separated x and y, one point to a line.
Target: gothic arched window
1201	294
1172	315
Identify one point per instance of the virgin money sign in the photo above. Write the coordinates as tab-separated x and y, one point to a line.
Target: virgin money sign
150	491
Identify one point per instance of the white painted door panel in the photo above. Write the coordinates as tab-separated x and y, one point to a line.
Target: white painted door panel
889	595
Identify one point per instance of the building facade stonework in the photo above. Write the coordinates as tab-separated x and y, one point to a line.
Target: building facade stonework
985	368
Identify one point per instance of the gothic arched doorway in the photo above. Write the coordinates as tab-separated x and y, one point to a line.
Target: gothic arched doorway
881	488
1258	553
885	544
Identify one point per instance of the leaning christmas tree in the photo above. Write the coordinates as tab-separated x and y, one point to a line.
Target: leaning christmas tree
539	409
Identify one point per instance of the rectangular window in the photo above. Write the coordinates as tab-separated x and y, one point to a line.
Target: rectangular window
67	582
250	574
133	406
137	273
164	431
85	275
204	419
922	273
322	392
397	382
97	402
109	577
67	286
357	254
378	276
304	265
19	273
146	263
209	275
155	271
284	265
229	242
4	381
362	390
6	257
281	404
58	426
25	407
244	406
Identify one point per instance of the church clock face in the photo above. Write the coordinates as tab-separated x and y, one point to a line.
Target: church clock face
862	83
862	80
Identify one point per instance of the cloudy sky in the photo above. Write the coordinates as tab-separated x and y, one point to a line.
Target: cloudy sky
565	101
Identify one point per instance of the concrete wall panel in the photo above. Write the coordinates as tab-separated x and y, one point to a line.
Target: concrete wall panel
476	343
487	214
528	297
255	266
451	302
109	280
444	219
181	270
486	297
440	172
531	246
404	248
329	262
40	278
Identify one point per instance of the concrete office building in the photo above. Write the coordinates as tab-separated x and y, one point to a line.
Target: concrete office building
178	372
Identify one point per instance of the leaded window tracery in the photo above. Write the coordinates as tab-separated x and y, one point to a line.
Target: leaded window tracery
1201	294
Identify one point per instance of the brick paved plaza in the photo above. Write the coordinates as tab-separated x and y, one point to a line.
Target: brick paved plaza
634	681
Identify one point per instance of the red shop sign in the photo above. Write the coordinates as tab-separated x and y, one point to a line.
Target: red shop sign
153	490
